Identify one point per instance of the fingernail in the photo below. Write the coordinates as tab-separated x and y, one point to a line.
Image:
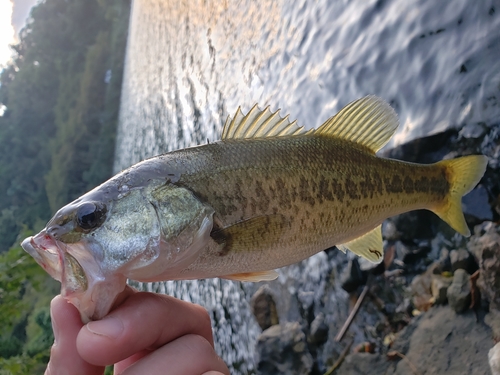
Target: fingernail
109	327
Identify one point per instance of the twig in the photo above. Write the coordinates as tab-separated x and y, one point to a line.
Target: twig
394	353
340	359
354	311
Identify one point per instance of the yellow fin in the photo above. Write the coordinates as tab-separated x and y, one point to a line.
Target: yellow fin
259	123
368	246
462	174
253	276
369	121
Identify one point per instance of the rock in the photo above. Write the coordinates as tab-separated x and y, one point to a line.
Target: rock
458	293
485	245
420	288
461	258
439	288
437	342
363	363
492	319
494	359
353	277
264	307
282	349
319	330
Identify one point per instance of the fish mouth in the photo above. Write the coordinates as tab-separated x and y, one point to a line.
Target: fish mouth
43	248
83	282
53	256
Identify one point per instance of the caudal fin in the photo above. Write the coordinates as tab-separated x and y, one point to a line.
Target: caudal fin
463	174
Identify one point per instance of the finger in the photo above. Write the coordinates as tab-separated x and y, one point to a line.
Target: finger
145	321
176	358
64	357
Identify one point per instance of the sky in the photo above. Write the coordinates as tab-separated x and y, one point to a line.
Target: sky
13	15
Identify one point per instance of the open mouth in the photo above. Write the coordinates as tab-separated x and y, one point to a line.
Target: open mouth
57	262
47	254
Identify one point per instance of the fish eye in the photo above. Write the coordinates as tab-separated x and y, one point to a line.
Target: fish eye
90	215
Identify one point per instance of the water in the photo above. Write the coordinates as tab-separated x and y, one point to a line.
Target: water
191	63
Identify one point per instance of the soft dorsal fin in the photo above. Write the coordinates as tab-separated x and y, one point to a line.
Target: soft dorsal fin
259	123
368	246
369	121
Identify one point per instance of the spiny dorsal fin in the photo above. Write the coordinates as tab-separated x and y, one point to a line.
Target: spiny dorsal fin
368	246
259	123
369	121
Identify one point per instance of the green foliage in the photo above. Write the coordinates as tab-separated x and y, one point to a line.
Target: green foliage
57	135
57	132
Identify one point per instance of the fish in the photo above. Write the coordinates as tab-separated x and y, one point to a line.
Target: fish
268	194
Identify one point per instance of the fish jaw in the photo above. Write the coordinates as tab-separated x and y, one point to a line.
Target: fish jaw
83	283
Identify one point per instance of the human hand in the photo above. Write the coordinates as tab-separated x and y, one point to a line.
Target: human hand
146	334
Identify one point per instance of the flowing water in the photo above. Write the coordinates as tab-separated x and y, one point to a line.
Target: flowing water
191	63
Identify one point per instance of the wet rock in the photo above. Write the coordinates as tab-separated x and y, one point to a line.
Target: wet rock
458	293
485	245
461	258
494	359
439	288
264	307
282	349
353	276
319	330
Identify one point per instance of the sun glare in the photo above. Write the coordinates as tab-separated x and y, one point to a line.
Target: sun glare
6	31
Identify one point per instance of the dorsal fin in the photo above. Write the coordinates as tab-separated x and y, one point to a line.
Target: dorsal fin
259	123
369	121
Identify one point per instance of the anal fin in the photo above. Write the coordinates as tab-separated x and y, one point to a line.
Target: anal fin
253	276
368	246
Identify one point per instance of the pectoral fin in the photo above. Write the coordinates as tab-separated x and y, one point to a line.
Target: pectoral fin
253	276
368	246
254	234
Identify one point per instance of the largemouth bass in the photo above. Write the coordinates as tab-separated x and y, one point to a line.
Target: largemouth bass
267	195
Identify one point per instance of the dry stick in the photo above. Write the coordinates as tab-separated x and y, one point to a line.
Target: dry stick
340	359
354	311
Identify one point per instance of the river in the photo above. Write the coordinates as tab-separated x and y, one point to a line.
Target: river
190	64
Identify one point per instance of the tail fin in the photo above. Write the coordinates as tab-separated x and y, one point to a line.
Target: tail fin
463	174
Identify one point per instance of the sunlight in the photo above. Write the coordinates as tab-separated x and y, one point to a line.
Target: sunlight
6	31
